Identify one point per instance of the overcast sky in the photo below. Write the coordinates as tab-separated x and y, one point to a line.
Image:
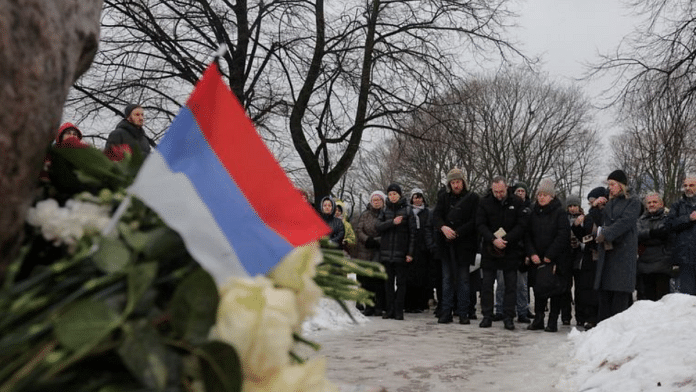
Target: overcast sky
567	34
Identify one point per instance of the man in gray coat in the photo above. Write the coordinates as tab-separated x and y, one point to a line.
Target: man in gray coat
617	241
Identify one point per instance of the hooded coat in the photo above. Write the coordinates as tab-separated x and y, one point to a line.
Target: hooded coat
397	241
133	136
616	267
367	235
336	224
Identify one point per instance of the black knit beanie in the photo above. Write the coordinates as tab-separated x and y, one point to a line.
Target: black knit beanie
618	176
598	192
394	187
129	108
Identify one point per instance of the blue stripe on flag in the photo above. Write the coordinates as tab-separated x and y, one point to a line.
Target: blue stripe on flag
186	150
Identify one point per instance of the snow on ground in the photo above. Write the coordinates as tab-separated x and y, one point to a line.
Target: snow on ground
649	347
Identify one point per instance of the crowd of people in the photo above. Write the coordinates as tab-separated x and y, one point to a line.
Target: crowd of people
576	263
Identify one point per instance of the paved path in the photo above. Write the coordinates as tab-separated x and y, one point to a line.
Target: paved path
418	354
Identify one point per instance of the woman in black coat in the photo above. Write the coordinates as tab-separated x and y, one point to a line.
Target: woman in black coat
397	233
547	248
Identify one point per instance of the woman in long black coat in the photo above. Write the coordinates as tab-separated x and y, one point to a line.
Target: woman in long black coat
547	247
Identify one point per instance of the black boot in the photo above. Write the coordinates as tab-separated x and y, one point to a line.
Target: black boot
552	325
537	324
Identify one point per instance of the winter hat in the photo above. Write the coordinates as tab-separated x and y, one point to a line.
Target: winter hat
519	185
618	176
573	200
547	186
597	193
394	187
129	108
378	193
417	191
455	174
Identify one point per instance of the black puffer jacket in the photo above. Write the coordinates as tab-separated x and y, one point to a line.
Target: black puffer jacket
459	213
397	241
513	217
127	133
338	231
685	230
655	254
548	236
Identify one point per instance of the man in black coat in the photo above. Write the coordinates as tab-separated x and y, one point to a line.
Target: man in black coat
130	131
455	223
682	221
501	220
654	250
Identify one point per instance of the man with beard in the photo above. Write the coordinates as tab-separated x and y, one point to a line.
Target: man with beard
455	223
501	220
681	219
129	131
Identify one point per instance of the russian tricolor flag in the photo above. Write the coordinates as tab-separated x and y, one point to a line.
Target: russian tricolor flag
213	180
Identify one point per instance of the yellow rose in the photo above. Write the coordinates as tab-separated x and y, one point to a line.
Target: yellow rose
257	320
308	377
296	272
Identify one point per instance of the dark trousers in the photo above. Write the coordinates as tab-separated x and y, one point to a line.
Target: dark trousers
612	303
687	278
652	286
557	302
509	298
396	275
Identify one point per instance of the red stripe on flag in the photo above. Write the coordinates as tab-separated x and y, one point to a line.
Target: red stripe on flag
251	165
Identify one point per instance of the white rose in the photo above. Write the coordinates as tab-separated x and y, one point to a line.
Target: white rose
296	272
308	377
43	212
257	320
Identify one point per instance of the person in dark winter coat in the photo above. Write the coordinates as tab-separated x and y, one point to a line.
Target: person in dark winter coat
397	229
618	248
654	250
585	229
368	240
455	222
501	220
328	214
129	131
418	280
547	246
573	211
681	219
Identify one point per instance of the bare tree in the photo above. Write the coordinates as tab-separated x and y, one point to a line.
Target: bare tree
322	75
656	144
511	124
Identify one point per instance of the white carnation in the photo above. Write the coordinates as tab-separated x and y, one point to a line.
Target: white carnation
68	224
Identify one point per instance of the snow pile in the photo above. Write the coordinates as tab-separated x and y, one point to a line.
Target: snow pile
649	347
330	316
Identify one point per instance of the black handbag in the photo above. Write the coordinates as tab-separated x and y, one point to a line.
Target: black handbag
547	283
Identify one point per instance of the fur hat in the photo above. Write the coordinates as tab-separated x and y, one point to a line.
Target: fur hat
455	174
394	187
618	176
597	193
417	191
547	186
573	200
129	108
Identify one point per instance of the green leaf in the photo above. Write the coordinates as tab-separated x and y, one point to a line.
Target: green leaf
140	278
137	240
145	355
163	244
85	322
112	256
220	367
194	307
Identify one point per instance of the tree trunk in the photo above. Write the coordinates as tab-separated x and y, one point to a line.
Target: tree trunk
44	47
